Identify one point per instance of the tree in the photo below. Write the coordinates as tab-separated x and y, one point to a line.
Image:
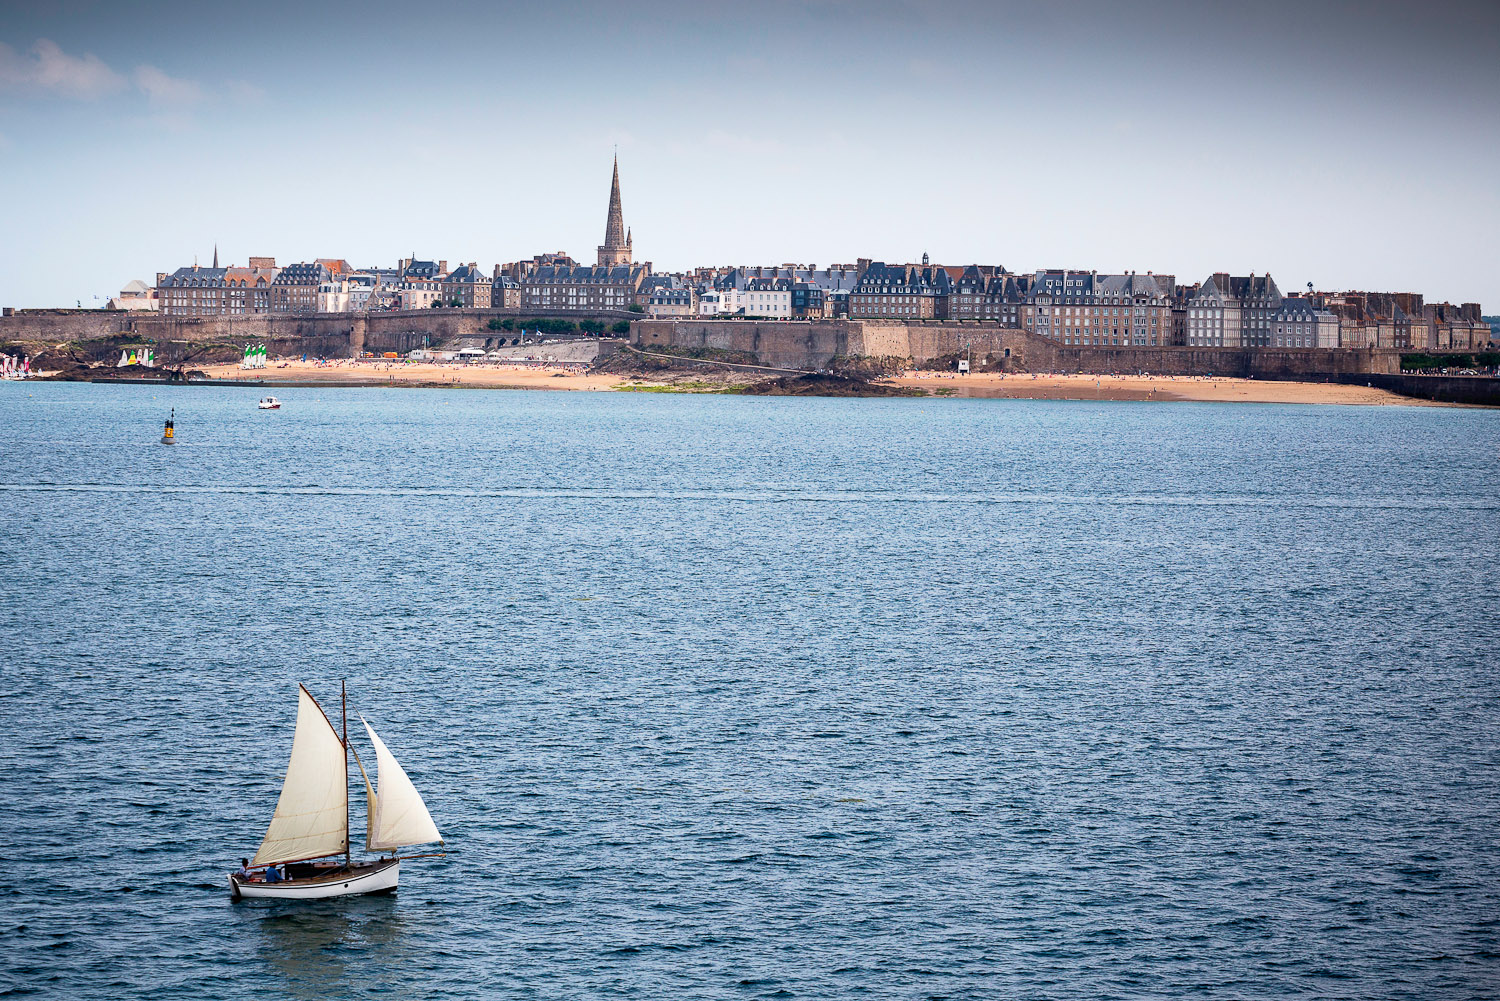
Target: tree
636	307
620	327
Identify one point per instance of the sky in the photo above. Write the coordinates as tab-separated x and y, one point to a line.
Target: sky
1351	145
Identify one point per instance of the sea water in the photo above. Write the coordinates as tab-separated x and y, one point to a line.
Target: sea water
719	697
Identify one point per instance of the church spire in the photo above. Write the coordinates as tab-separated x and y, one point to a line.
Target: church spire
616	248
216	255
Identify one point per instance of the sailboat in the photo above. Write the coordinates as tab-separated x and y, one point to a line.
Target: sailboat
310	828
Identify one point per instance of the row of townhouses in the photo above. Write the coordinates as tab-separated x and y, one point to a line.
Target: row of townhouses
1076	308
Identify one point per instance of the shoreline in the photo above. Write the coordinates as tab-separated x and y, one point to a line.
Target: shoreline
1151	389
561	376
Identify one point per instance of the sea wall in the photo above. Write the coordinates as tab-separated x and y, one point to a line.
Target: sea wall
94	335
815	344
782	344
1478	390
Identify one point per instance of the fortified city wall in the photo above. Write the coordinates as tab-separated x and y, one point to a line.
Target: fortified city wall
816	344
94	335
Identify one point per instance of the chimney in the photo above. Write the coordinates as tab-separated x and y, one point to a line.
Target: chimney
443	266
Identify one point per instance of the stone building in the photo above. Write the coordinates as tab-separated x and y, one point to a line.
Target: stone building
505	291
810	301
726	301
984	292
1370	319
1232	312
582	288
616	249
669	297
136	295
1458	328
213	291
1089	309
768	297
901	292
295	289
518	270
467	287
1299	323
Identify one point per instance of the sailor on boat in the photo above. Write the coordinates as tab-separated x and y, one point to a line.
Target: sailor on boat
310	829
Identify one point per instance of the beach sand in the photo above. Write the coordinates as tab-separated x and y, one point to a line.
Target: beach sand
1148	388
382	373
985	385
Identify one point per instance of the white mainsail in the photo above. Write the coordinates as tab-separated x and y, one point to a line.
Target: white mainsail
312	815
399	817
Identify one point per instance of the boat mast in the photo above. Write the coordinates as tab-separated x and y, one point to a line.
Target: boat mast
344	712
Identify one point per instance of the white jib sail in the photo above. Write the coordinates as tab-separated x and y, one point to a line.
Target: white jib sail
312	815
400	817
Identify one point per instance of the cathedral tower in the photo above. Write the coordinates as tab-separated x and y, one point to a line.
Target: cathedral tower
616	248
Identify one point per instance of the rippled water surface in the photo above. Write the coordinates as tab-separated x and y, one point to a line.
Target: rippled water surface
718	697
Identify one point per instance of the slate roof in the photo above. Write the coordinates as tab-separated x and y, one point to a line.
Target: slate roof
195	277
302	273
884	278
828	279
619	274
421	269
467	274
1299	310
1131	286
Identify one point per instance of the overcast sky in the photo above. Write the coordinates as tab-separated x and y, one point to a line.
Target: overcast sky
1352	145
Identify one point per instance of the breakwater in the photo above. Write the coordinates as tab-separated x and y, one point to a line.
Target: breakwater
1475	390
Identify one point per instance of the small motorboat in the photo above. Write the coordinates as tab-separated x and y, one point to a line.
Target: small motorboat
306	853
166	434
270	403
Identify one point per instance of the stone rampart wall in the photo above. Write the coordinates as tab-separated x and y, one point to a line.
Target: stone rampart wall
798	344
1478	390
89	334
813	344
780	343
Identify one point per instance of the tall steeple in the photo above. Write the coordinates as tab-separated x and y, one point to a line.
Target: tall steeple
616	248
216	255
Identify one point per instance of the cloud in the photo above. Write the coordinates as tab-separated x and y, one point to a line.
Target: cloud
164	89
48	67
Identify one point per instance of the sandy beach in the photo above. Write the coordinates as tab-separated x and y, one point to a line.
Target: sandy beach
396	373
1149	388
982	385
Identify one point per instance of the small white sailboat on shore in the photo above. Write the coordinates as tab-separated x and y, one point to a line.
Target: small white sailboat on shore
298	859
